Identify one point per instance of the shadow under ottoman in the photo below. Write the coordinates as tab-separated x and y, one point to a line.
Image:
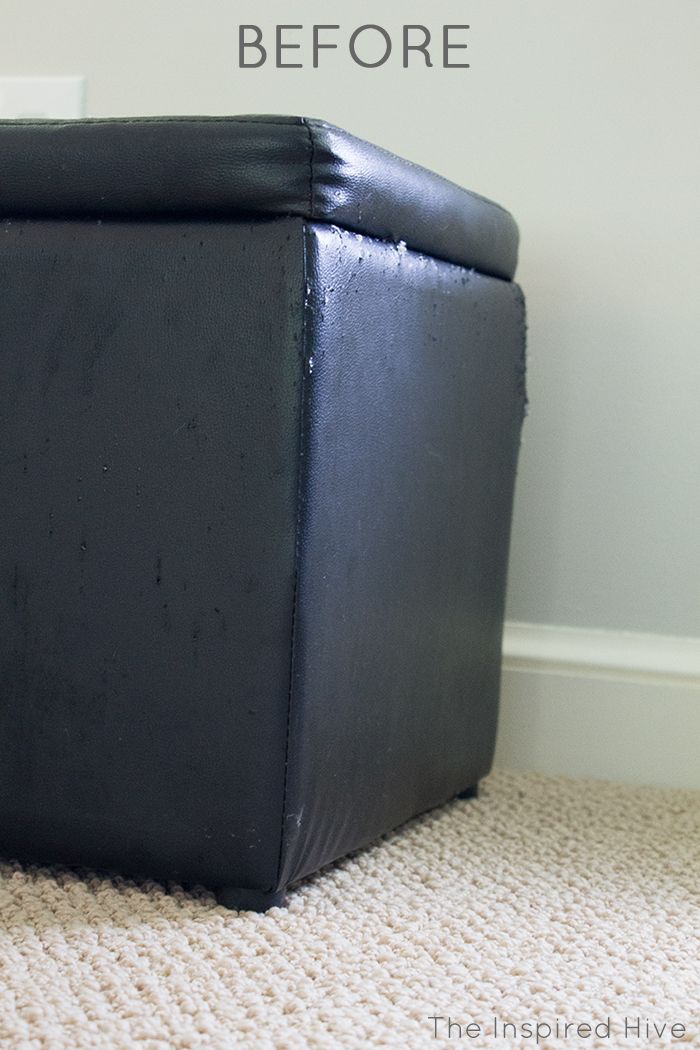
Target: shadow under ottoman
260	410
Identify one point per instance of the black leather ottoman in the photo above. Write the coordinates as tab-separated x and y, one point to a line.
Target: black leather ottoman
262	391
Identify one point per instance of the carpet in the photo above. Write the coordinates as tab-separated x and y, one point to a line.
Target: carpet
546	902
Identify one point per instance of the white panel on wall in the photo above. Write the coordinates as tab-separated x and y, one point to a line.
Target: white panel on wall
24	98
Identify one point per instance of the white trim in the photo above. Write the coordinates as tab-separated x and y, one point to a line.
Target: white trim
616	705
620	655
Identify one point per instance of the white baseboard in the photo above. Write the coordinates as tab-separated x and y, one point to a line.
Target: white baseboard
616	705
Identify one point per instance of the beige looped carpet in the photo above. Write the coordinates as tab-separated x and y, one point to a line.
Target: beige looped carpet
547	899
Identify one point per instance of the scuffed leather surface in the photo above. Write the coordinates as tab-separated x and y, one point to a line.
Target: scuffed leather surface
257	483
266	165
413	403
149	428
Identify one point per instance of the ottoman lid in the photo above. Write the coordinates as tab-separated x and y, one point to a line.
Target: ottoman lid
253	165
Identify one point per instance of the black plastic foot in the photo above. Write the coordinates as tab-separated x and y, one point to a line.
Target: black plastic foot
242	899
470	792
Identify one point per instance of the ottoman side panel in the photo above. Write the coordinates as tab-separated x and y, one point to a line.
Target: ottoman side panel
149	427
414	403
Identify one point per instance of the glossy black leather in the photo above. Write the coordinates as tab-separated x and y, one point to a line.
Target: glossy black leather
411	428
149	426
257	478
224	166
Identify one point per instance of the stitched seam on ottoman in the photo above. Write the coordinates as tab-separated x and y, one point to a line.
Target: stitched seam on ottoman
312	153
297	535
